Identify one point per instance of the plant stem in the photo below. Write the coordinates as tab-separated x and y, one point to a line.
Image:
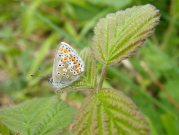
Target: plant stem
103	74
171	26
160	85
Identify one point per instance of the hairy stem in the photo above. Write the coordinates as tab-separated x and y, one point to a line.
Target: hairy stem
103	74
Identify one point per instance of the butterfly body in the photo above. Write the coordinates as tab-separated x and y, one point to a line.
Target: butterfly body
67	67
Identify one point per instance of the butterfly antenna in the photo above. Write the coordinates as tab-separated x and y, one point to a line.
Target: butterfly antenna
41	76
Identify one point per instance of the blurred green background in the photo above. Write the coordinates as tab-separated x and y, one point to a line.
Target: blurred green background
31	29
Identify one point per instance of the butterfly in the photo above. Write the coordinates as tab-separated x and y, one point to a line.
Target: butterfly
67	66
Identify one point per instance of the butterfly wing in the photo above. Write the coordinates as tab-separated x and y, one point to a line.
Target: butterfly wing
67	66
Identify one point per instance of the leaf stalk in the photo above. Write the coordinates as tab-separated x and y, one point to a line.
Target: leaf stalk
103	74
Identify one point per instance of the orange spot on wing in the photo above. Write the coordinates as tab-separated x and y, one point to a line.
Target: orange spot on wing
75	62
65	58
65	50
73	58
78	65
61	49
78	71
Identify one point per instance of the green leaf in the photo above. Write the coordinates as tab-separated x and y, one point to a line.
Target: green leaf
170	123
4	130
173	88
152	127
40	116
90	75
119	34
110	112
114	3
28	23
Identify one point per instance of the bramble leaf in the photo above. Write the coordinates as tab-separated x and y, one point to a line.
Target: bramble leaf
110	112
89	78
40	116
119	34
